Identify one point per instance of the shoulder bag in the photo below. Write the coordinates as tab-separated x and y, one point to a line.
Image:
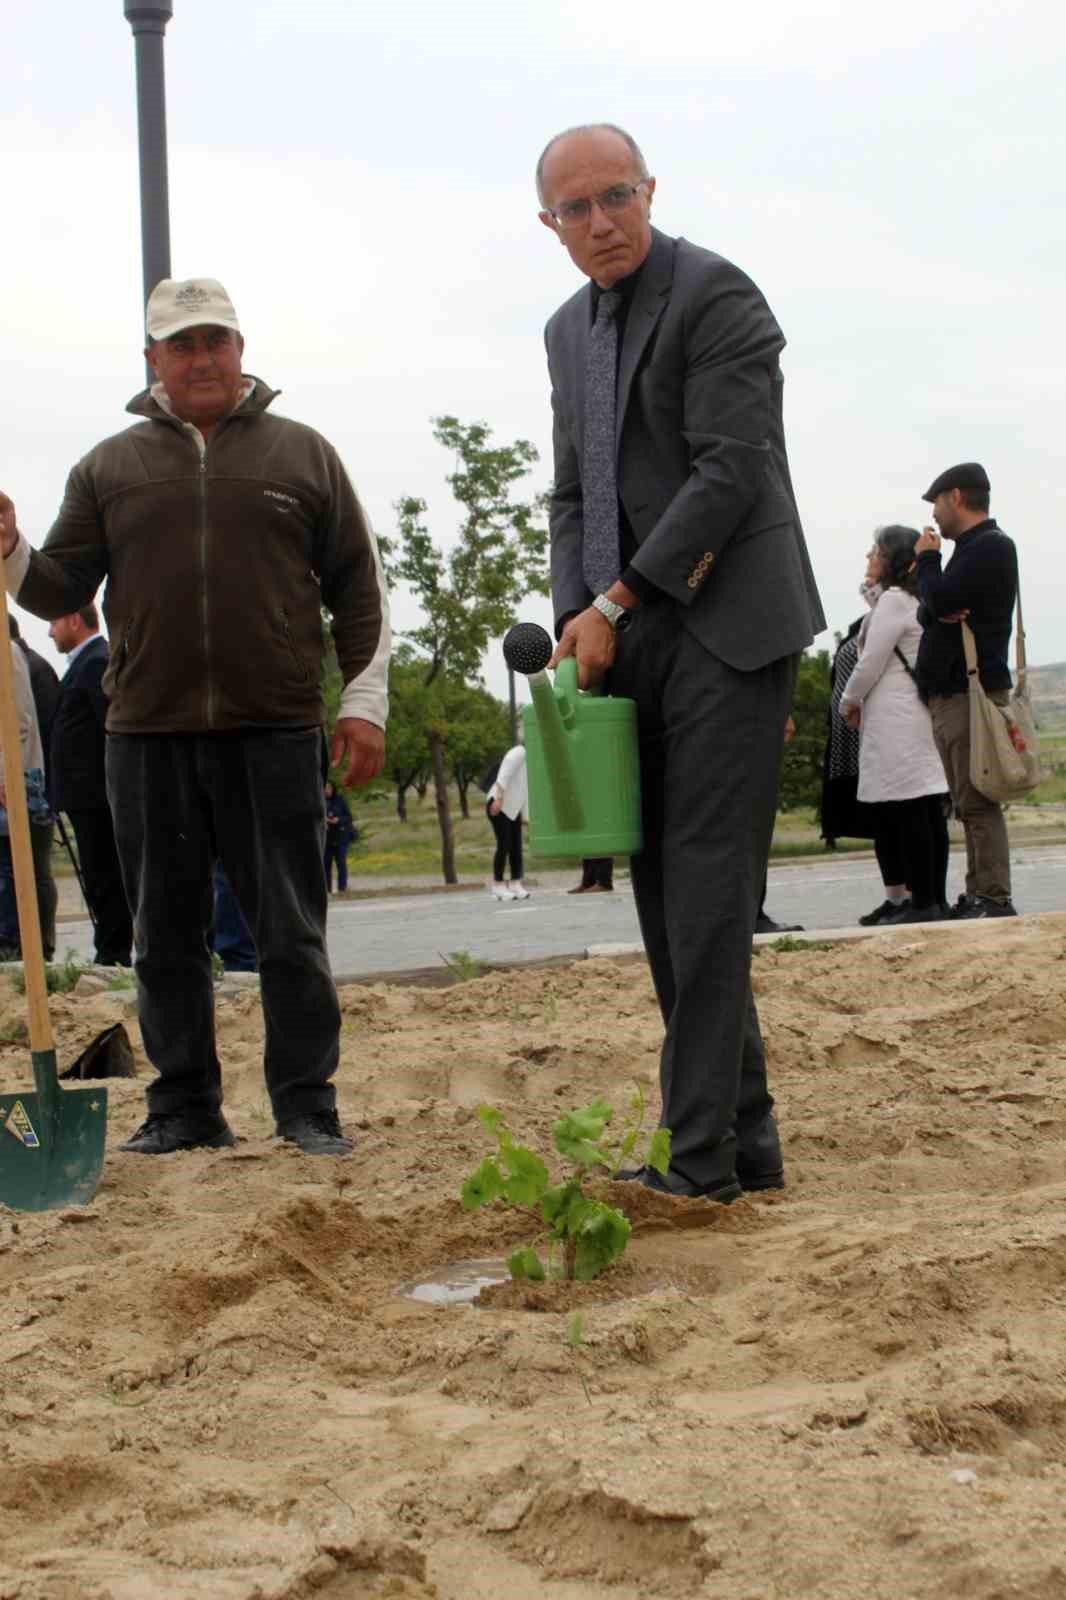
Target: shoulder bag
1004	752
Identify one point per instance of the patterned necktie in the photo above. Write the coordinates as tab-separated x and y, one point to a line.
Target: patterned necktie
600	555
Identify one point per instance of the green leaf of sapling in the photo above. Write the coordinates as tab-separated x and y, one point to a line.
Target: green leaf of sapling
526	1264
601	1239
659	1150
482	1186
527	1175
575	1330
489	1118
577	1135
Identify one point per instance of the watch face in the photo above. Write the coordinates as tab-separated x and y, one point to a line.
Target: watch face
623	621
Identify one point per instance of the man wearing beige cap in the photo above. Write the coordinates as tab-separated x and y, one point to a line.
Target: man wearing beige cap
222	531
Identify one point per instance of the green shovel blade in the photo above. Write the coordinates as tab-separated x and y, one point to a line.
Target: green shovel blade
51	1155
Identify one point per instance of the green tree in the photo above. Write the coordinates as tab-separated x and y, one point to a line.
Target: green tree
801	770
479	730
469	594
406	745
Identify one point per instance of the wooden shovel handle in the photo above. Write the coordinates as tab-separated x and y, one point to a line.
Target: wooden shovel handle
18	823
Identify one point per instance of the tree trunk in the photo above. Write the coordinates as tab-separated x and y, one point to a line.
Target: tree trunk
401	801
464	804
444	816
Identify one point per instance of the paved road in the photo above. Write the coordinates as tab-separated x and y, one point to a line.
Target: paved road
416	931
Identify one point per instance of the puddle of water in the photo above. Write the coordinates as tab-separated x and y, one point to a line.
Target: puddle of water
457	1284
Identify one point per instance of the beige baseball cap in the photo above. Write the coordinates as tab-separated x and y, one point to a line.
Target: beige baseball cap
178	303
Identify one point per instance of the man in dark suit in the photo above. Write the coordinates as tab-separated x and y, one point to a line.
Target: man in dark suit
679	568
76	775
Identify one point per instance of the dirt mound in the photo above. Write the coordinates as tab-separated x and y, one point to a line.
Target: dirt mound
215	1385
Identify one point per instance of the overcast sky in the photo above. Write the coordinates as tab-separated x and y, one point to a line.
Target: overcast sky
360	176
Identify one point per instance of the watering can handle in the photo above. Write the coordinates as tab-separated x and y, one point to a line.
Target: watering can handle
566	680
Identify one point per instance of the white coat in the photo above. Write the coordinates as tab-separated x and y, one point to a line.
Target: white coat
511	788
897	757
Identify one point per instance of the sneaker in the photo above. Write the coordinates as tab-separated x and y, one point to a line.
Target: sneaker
881	913
500	891
318	1133
980	905
163	1132
912	913
519	892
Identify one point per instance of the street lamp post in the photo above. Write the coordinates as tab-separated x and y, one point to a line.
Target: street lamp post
148	19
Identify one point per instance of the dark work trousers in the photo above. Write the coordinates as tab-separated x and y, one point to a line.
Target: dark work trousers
923	832
888	844
597	871
254	800
711	740
94	833
44	883
508	845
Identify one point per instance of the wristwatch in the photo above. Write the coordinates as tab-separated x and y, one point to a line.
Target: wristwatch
618	616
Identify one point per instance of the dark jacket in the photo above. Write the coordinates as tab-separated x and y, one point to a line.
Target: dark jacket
703	476
44	681
217	569
339	825
981	577
76	757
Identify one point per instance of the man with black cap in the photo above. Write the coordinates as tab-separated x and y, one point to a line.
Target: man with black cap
223	530
979	584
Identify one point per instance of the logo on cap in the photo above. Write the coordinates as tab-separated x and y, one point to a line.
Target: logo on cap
191	296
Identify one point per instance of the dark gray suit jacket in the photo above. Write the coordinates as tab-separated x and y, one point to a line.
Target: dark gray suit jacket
702	469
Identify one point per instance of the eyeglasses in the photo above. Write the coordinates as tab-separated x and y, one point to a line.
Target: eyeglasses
576	213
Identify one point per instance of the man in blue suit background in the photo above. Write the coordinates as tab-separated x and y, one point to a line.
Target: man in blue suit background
76	778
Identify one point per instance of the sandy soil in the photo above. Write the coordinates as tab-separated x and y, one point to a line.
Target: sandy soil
212	1386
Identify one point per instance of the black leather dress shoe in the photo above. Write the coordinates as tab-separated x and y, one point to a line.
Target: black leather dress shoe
673	1183
163	1132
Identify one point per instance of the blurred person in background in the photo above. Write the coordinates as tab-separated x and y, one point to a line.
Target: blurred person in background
843	815
899	768
505	809
40	816
978	585
340	831
78	784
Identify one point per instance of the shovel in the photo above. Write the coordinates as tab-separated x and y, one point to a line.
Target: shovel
52	1139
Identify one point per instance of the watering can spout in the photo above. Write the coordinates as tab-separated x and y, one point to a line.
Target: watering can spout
528	649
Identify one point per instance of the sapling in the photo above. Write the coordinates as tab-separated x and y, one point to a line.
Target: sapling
583	1235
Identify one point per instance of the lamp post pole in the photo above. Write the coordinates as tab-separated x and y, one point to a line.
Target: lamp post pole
148	19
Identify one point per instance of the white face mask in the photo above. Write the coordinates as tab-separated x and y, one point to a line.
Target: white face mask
871	592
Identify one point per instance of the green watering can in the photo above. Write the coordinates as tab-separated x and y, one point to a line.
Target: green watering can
581	757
